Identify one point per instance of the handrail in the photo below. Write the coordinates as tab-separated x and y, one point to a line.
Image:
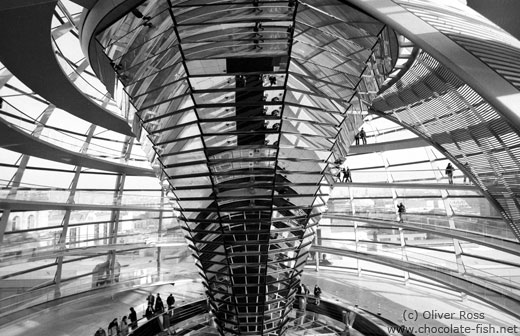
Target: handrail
28	192
415	258
476	286
14	255
44	295
64	139
390	218
154	325
365	322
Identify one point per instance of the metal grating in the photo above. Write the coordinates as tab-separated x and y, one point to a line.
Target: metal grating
485	40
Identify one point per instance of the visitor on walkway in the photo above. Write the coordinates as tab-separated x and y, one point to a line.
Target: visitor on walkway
170	301
305	289
468	170
401	209
363	136
257	28
133	318
356	137
150	299
339	175
449	172
113	328
124	326
149	313
159	305
317	294
346	175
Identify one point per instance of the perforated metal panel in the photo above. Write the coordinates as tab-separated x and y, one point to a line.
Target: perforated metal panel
492	45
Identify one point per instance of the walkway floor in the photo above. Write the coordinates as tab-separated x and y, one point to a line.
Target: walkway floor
434	307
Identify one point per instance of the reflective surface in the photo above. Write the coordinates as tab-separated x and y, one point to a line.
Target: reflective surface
246	115
246	155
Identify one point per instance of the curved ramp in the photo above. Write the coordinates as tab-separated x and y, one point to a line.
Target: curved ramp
25	32
398	185
480	288
388	146
492	242
18	141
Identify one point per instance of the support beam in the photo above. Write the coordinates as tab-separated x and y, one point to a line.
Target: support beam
66	218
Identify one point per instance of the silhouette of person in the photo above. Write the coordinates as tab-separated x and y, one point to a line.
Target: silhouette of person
133	318
338	175
468	169
317	294
449	172
257	28
123	327
149	313
159	305
346	175
363	136
401	209
170	301
150	299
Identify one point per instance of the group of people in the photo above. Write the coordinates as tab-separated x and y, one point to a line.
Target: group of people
121	328
344	175
156	306
361	135
450	170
